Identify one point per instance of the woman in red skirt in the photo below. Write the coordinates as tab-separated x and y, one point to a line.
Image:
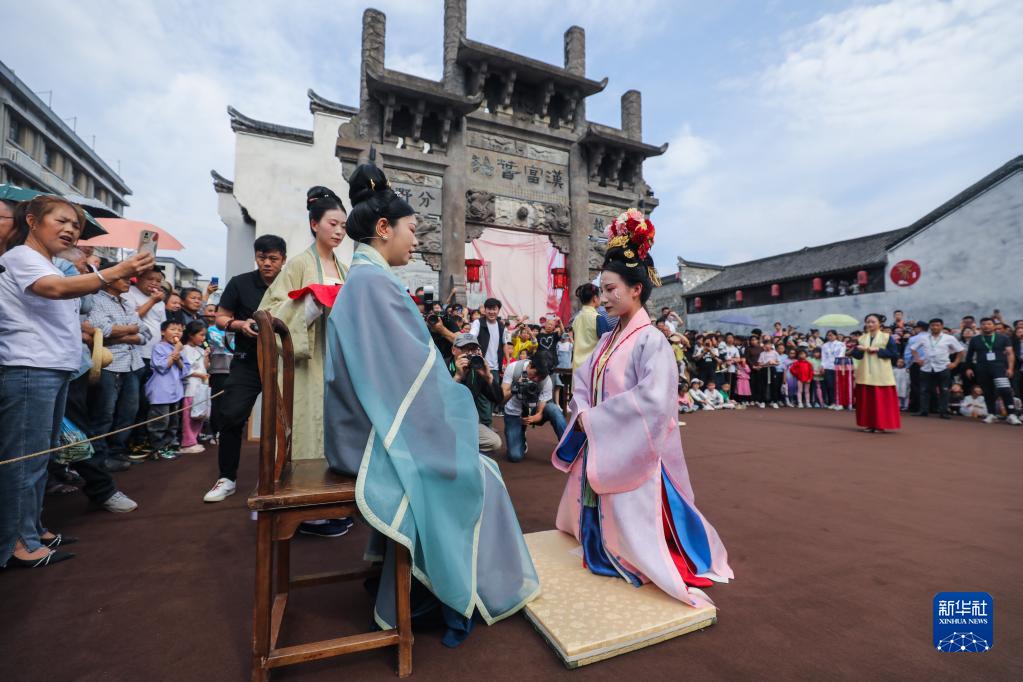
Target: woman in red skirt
877	401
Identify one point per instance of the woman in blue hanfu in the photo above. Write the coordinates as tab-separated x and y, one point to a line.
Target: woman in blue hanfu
396	419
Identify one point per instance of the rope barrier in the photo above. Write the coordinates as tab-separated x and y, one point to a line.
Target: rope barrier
126	428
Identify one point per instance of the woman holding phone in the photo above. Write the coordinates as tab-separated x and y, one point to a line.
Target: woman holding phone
40	349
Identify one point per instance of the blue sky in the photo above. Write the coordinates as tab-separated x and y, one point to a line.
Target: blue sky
790	123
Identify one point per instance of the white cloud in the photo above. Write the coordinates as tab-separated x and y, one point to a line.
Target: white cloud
900	74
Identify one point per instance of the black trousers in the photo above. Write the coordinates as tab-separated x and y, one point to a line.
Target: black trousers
931	384
99	484
241	390
914	388
217	384
829	387
756	385
774	383
992	393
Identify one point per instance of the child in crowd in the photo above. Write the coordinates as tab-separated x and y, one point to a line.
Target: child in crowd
902	383
817	389
727	403
715	401
524	342
198	360
802	371
955	398
677	349
791	385
698	397
165	389
685	401
742	387
974	405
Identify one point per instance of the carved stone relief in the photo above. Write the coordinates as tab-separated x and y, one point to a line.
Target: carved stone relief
428	232
508	145
479	206
533	215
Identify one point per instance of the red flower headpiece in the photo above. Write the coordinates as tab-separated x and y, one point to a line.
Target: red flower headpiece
632	229
634	234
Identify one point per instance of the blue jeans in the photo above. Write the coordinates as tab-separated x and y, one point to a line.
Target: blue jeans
515	430
117	402
31	408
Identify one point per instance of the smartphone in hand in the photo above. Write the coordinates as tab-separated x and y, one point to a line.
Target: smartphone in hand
147	241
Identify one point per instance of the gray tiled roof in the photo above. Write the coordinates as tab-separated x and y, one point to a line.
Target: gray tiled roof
807	262
843	256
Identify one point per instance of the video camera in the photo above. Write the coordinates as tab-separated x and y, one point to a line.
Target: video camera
529	393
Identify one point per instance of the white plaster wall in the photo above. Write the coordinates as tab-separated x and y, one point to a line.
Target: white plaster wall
970	262
272	177
240	235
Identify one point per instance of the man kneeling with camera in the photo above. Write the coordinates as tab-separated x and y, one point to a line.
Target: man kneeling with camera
528	390
468	368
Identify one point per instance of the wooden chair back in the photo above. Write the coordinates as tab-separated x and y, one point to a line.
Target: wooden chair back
277	374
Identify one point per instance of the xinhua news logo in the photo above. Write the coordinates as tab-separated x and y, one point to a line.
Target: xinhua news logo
964	622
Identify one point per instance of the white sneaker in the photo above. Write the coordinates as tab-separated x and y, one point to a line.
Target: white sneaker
775	405
800	405
990	419
1013	419
192	450
222	489
120	503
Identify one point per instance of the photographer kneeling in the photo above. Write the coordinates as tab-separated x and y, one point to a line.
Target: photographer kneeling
528	390
469	369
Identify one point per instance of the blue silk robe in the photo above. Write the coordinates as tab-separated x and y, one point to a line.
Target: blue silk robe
395	418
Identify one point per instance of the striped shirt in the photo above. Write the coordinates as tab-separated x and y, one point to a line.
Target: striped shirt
109	311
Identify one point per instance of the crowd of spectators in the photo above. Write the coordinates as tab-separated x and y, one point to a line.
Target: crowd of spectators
972	369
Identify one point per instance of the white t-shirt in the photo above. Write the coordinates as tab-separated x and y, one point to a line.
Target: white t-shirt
36	331
514	406
731	353
830	351
194	356
492	353
152	319
937	351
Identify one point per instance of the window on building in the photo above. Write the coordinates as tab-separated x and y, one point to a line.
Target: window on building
14	130
78	178
49	156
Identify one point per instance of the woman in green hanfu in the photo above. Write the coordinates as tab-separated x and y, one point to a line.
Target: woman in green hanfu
305	317
397	420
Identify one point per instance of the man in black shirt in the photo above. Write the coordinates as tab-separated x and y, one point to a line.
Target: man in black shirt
990	360
238	304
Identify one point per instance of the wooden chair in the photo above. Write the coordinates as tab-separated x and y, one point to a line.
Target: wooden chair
289	493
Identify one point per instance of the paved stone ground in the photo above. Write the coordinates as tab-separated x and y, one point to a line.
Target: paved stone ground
839	541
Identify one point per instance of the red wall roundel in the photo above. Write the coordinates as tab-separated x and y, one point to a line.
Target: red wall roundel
905	273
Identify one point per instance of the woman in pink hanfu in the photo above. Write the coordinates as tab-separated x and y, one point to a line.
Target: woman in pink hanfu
628	500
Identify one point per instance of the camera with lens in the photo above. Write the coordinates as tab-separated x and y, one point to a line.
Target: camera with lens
529	393
476	362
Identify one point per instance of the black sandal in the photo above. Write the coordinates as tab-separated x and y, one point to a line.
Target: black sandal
58	540
53	557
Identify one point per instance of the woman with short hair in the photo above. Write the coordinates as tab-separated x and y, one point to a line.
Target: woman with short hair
40	349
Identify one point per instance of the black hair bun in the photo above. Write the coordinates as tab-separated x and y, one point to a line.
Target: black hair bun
366	181
319	193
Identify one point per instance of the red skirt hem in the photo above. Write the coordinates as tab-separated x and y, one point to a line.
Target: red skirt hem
877	407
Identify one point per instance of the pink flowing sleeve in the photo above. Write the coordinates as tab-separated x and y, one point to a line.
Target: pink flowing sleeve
627	432
572	441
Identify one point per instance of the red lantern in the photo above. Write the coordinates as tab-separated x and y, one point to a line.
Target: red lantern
472	270
818	285
861	278
738	295
698	303
559	279
775	290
